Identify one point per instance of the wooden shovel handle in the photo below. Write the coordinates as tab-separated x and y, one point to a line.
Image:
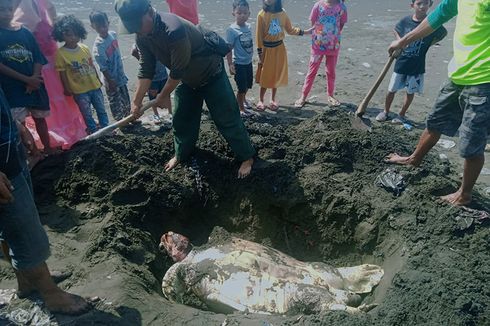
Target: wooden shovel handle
362	107
121	123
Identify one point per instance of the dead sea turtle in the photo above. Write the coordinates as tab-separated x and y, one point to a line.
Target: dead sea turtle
236	274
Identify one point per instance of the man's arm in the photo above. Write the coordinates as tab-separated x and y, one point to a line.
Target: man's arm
142	87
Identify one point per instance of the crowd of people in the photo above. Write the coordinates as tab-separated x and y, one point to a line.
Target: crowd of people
60	87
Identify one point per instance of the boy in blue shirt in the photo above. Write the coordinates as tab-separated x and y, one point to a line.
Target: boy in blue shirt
410	65
240	37
108	57
21	61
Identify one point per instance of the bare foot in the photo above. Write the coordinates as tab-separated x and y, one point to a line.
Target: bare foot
26	289
300	103
394	158
457	198
245	168
171	164
332	101
62	302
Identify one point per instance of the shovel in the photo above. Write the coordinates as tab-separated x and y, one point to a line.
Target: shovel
119	124
358	122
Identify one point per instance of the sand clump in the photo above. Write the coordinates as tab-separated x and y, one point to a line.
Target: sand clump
312	195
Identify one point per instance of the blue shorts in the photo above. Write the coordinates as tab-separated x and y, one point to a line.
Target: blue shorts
155	88
244	77
466	108
413	84
21	228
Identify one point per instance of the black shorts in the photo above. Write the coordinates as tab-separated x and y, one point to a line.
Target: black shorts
244	77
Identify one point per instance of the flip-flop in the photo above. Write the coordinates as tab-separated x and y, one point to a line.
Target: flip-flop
260	107
299	103
273	106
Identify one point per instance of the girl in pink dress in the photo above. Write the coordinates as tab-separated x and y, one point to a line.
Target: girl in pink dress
328	18
65	122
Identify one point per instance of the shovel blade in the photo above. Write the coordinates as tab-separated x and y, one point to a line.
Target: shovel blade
360	123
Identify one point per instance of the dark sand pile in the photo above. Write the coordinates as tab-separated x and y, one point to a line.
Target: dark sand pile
312	195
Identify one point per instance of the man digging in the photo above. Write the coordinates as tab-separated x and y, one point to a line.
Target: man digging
196	75
464	100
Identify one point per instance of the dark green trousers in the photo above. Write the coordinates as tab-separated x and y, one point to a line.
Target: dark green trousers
223	107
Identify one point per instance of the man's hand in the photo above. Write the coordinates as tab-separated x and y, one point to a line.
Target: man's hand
136	110
396	48
6	189
164	102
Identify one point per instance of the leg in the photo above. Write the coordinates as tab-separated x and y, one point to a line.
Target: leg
331	65
260	104
97	99
115	103
471	172
445	118
125	101
273	105
427	140
240	97
314	65
473	135
406	104
42	130
224	111
186	122
85	106
389	101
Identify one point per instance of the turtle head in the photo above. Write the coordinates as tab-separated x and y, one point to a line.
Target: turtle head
175	245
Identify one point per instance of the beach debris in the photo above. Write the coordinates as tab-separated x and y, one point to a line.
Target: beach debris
367	65
300	73
194	167
407	126
6	295
469	216
34	316
443	157
486	191
485	171
446	143
391	180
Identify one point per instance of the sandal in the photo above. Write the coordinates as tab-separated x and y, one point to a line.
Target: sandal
273	106
299	103
260	106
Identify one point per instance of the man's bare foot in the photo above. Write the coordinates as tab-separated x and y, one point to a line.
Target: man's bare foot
245	168
394	158
26	289
62	302
457	198
171	164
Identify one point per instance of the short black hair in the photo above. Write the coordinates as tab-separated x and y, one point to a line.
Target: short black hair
98	17
240	3
68	23
430	2
277	7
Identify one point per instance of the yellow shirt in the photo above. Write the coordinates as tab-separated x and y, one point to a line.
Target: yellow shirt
79	68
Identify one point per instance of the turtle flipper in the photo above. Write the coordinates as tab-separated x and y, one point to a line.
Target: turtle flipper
362	278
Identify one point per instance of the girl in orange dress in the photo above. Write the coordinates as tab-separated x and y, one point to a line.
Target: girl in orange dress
272	72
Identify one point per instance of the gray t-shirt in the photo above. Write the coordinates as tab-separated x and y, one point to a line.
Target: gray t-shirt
108	57
240	37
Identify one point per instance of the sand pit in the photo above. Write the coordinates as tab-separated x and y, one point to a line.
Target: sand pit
312	195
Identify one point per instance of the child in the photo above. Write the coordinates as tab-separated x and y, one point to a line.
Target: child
239	36
410	65
186	9
159	80
108	56
21	62
328	18
77	71
272	72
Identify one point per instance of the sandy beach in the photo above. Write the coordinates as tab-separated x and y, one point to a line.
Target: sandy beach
312	194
